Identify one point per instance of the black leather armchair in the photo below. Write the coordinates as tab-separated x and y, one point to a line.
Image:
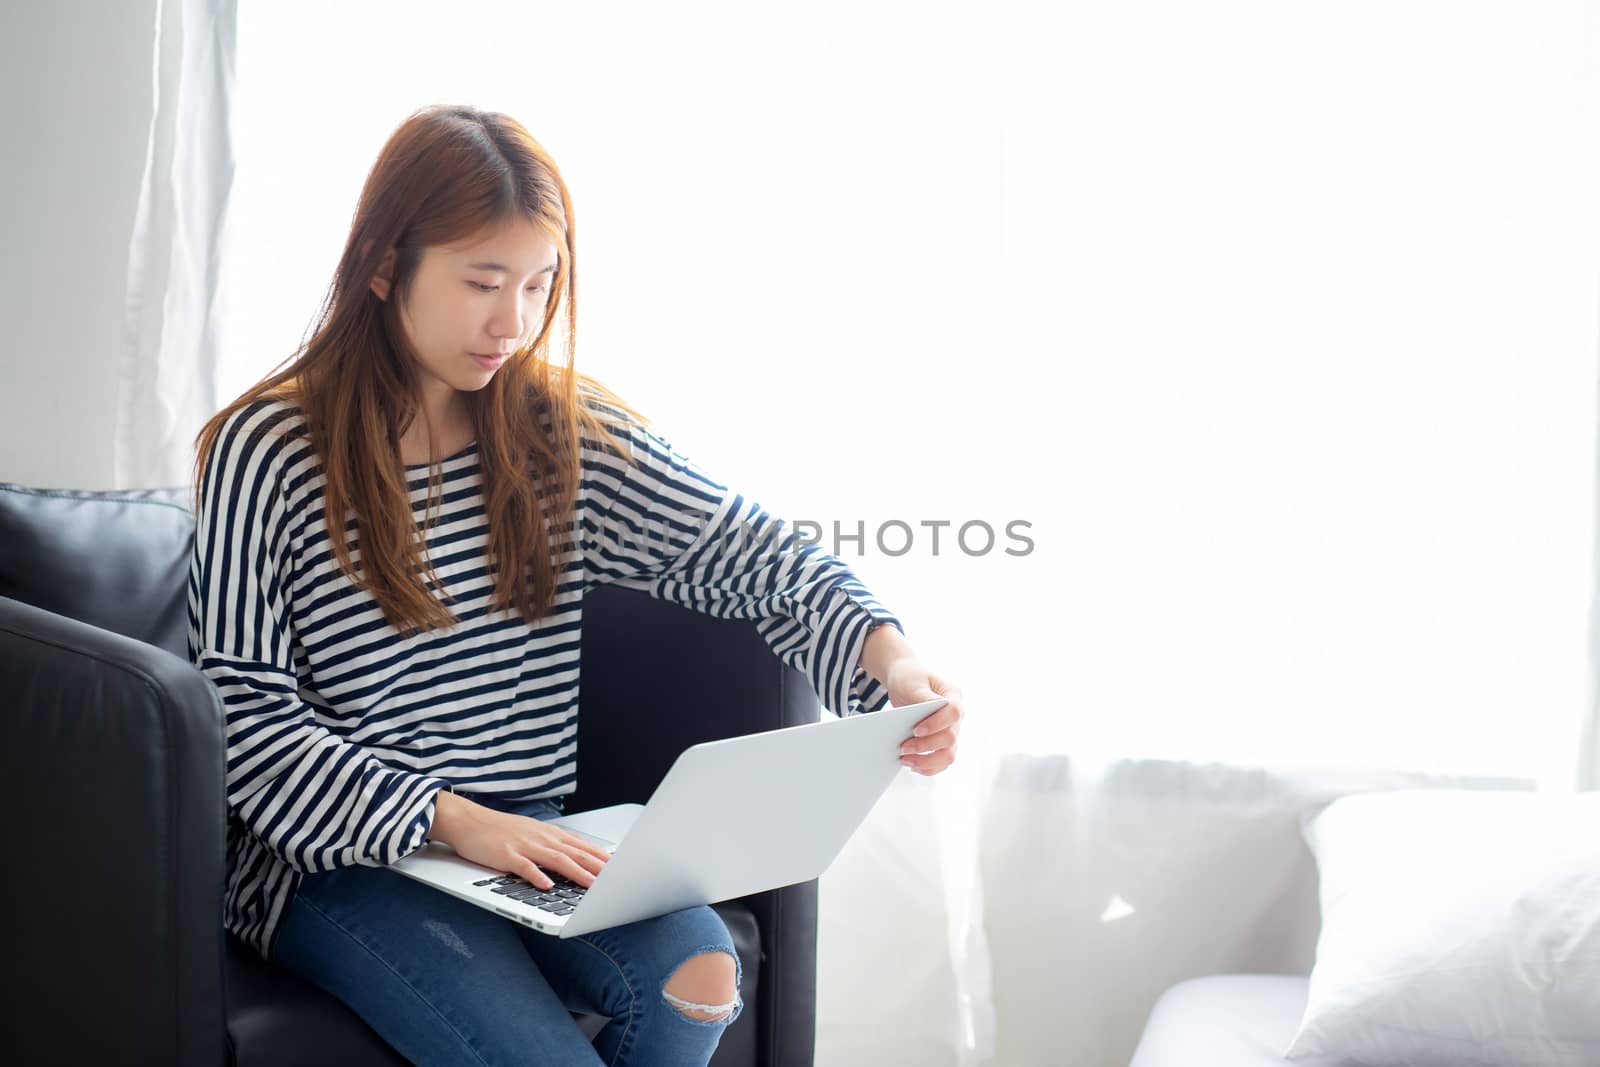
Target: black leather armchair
113	755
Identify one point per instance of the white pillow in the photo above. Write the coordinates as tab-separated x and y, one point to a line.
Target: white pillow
1459	927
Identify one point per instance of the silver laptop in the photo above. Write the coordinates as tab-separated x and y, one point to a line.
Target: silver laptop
731	818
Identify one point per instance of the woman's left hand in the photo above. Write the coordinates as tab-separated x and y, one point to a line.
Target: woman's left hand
932	747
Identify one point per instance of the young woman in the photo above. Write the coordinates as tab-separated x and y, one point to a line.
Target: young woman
415	677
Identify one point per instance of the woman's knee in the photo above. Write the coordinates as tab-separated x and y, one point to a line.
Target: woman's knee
705	987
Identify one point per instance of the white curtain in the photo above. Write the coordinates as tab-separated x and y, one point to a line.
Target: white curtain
1323	290
167	385
1210	388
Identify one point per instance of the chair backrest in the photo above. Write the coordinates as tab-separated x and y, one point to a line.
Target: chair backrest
117	559
656	676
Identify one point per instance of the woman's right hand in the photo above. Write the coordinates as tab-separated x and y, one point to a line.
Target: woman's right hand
514	843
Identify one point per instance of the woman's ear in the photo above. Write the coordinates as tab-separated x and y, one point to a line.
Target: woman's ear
384	276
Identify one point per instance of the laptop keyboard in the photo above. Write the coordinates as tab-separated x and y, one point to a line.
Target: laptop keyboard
560	899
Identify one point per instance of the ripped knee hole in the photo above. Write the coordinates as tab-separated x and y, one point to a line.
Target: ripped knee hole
694	1009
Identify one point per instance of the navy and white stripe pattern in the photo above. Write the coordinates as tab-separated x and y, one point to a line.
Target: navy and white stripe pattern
340	732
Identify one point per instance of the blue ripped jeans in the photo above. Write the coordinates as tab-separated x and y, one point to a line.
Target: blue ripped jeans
445	982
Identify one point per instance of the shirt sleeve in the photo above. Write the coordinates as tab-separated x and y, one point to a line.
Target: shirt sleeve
316	800
657	522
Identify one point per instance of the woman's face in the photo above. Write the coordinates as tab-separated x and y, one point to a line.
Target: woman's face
471	305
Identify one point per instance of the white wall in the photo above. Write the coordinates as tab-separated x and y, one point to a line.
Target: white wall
76	79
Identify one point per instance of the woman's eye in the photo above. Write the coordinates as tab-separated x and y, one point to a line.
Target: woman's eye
483	288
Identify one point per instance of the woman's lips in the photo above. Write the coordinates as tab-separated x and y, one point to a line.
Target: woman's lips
489	362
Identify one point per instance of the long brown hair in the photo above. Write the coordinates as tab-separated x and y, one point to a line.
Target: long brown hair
443	175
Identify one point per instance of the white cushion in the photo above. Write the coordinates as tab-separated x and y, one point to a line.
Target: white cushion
1459	927
1225	1020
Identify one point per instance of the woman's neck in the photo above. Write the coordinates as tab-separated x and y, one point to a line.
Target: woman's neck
452	431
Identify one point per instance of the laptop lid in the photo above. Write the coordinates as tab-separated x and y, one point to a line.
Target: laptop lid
747	814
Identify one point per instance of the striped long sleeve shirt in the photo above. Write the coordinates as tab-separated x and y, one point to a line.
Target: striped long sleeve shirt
341	731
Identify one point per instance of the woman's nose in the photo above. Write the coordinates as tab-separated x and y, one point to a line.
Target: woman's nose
508	317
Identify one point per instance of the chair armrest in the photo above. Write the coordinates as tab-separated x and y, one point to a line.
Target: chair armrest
657	678
112	751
